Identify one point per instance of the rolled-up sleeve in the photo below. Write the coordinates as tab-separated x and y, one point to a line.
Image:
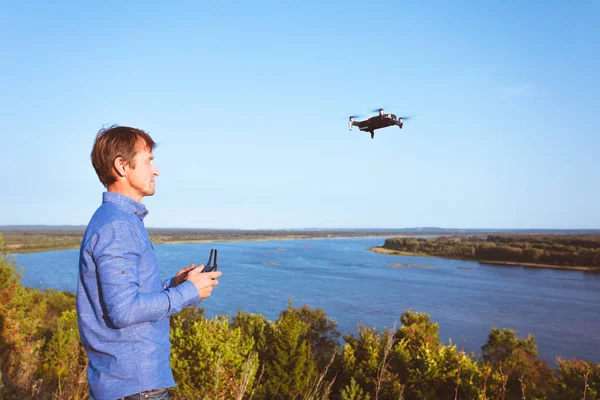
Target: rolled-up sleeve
117	254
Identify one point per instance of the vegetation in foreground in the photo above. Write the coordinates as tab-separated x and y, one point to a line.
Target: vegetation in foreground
564	251
298	356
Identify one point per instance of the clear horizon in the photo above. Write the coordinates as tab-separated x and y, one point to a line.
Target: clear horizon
249	103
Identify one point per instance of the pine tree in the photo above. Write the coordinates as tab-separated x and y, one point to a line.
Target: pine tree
290	369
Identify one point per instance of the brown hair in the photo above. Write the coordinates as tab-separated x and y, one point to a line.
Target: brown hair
113	142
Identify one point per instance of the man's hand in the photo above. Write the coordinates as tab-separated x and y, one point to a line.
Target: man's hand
182	275
204	282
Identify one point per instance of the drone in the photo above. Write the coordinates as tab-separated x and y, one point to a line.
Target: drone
379	121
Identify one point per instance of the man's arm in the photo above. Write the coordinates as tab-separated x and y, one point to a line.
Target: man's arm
117	255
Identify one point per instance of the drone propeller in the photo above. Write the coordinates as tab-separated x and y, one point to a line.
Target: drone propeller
404	118
377	110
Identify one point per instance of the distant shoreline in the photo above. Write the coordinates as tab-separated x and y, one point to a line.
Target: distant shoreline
382	250
71	241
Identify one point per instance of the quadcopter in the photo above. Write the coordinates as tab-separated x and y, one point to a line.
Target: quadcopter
379	121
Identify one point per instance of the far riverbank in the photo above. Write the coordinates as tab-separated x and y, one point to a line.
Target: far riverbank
35	241
383	250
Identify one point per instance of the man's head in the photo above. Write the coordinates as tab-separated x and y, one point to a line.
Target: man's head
123	159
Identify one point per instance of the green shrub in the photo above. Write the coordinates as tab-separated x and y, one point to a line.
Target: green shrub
210	360
65	361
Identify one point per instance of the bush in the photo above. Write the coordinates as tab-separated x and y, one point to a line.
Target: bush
210	359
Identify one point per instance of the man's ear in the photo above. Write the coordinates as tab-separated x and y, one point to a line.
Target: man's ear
120	166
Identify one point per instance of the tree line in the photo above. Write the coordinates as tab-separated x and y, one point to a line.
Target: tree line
301	355
560	250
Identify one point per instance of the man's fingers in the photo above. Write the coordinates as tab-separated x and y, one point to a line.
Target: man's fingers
210	283
186	270
204	281
212	275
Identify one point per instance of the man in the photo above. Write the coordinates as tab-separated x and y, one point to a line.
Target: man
123	308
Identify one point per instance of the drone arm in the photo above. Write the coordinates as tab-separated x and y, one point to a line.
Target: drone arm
351	122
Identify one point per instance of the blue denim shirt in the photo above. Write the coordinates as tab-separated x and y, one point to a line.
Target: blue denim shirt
123	308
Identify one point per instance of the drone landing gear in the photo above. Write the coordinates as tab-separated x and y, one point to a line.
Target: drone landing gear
372	134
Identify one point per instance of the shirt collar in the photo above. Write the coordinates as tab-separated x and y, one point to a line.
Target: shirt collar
125	202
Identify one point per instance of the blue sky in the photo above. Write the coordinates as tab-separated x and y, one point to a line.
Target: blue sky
249	103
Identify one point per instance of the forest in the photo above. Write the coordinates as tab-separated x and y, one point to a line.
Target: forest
298	356
553	250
